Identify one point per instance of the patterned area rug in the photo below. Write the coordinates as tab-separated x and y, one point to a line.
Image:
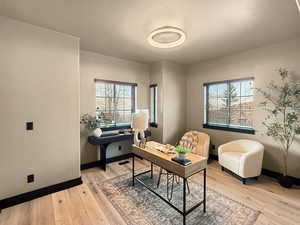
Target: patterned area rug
138	206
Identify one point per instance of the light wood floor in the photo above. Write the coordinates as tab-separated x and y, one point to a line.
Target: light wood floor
85	205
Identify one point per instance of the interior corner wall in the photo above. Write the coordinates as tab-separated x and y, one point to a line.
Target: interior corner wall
39	82
94	65
171	81
156	77
174	107
262	64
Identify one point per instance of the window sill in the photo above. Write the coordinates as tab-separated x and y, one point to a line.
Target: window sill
231	129
153	125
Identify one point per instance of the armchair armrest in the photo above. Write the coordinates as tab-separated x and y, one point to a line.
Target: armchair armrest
251	163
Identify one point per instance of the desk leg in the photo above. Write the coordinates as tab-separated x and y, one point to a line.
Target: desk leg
133	170
184	201
204	190
151	170
103	149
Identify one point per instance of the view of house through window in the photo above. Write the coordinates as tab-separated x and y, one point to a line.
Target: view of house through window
229	104
153	105
115	103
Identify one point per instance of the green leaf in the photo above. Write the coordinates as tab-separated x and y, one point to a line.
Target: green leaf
181	149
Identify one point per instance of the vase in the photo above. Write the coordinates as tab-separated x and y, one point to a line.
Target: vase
97	132
285	181
181	156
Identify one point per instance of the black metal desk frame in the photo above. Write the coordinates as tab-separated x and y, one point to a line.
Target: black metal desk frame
184	212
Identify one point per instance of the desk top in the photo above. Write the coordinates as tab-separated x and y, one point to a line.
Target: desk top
164	160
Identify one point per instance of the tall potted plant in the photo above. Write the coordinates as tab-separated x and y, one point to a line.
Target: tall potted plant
282	103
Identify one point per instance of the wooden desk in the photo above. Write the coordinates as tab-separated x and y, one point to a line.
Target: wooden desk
164	160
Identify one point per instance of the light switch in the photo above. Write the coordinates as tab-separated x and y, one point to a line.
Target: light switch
29	125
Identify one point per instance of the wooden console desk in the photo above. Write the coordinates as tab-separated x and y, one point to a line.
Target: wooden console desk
104	141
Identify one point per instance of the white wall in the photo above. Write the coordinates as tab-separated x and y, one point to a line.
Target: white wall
262	64
93	65
39	82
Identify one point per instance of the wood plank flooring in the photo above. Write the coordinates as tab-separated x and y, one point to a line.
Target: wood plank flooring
86	205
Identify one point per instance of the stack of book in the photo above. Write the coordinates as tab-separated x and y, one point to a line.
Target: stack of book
184	162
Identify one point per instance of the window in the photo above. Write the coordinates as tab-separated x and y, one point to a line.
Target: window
115	103
153	105
229	105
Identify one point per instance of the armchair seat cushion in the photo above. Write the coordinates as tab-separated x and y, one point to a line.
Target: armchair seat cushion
232	160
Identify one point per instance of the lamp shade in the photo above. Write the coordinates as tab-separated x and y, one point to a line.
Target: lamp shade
140	120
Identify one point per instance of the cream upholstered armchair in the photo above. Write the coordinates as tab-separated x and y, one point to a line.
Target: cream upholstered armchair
243	157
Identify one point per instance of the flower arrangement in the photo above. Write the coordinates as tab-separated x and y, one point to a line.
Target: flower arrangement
91	122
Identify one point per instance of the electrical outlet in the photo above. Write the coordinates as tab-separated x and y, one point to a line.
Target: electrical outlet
29	125
120	148
30	178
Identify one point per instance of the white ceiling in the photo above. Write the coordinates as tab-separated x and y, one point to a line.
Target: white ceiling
120	27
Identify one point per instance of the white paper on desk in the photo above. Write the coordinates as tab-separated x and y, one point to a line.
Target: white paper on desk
159	148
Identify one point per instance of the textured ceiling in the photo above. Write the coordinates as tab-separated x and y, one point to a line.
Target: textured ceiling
120	27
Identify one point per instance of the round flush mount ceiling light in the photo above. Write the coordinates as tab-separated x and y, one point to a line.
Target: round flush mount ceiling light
166	37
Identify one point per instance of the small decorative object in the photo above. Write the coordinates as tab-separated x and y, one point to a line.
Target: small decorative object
283	121
169	149
92	123
97	132
140	122
127	131
181	152
160	148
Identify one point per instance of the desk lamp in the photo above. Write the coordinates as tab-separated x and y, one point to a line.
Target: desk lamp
140	122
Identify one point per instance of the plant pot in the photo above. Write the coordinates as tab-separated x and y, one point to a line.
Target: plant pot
285	181
181	156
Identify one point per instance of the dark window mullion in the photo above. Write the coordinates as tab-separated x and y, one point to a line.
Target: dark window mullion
207	104
115	105
105	94
240	104
229	103
154	104
133	99
217	111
